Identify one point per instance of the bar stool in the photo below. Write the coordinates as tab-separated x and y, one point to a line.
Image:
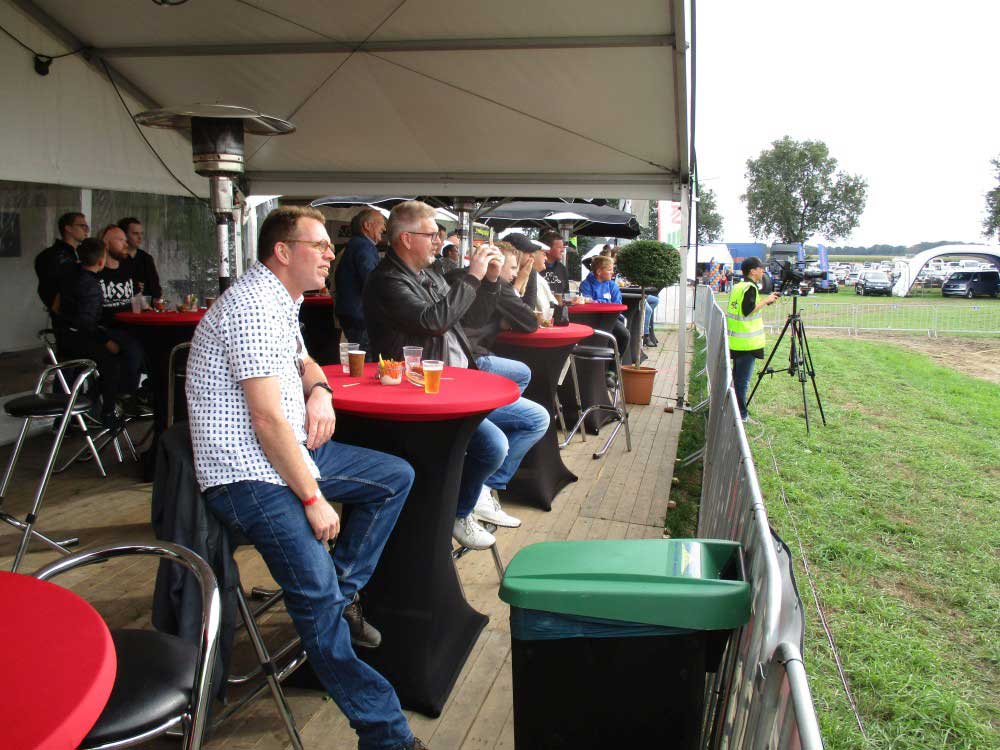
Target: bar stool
40	405
604	354
498	562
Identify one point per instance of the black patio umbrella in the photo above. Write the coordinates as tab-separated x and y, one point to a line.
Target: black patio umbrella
583	219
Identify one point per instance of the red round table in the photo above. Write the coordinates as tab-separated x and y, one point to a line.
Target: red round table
158	333
542	474
414	597
58	668
593	387
319	329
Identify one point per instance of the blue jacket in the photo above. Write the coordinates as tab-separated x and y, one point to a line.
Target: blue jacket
360	259
601	291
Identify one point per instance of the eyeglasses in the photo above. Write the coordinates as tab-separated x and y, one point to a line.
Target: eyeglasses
429	235
82	226
320	246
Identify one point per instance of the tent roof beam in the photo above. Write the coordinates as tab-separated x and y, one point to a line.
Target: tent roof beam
401	45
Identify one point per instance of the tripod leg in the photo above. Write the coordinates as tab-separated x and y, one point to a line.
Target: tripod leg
812	373
798	367
763	370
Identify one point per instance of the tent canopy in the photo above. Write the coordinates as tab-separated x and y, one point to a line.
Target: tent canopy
430	97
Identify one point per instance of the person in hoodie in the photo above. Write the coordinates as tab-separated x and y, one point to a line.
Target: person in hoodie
600	286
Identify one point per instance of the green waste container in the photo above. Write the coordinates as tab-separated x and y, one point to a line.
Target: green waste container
611	640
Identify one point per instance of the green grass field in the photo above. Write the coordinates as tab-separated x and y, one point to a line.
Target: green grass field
896	503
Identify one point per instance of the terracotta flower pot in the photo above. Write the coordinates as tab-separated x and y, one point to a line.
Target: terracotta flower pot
638	383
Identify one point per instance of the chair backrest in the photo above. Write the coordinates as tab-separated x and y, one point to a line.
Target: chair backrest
176	369
210	612
47	337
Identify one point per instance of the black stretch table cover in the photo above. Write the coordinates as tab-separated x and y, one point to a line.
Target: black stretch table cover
319	330
634	321
157	342
414	597
542	474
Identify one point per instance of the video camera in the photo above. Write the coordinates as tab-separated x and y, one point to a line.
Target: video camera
789	277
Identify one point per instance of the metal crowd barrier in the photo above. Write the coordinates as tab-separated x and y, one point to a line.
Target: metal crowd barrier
980	317
759	698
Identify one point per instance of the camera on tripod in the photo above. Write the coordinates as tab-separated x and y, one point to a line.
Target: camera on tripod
789	278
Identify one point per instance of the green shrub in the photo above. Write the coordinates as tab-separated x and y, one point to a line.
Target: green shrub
647	263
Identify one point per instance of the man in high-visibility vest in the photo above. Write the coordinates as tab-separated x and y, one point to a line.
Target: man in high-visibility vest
745	324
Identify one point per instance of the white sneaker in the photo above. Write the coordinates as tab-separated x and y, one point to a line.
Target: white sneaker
488	509
469	533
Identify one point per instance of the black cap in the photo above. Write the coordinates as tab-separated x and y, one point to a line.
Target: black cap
521	242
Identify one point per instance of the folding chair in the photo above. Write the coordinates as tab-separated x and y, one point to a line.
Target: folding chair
163	683
176	370
39	405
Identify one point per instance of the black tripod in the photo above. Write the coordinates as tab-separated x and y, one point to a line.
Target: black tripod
800	363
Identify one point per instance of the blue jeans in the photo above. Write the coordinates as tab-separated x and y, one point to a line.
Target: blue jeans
318	584
742	372
651	302
511	369
502	440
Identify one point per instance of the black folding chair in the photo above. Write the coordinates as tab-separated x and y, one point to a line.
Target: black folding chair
163	683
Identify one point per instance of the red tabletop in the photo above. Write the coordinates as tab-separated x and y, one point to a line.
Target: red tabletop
547	338
58	667
317	300
463	393
597	307
165	318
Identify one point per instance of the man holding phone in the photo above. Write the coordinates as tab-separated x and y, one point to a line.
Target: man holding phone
745	324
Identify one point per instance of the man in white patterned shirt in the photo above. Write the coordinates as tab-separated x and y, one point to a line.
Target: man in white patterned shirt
261	418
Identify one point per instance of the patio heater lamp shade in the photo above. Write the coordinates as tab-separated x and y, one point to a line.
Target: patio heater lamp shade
217	132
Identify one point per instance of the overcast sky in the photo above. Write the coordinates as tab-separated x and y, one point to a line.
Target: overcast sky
903	93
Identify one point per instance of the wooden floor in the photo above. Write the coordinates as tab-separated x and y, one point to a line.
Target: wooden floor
621	496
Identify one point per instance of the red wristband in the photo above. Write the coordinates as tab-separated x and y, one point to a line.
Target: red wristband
311	499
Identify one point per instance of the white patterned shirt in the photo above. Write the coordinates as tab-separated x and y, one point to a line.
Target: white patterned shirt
252	331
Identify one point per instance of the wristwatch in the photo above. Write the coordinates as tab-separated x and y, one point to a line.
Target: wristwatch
325	386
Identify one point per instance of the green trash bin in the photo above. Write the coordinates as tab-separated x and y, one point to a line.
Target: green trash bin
611	640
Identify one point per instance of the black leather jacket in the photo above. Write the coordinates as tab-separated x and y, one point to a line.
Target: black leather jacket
407	309
485	320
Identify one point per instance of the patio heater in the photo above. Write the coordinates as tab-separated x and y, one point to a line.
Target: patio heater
217	132
465	208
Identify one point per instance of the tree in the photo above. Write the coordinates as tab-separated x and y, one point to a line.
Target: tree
991	224
709	220
794	192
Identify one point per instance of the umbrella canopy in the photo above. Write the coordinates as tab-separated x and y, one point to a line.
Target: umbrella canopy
586	219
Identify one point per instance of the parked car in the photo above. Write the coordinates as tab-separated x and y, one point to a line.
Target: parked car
873	282
971	284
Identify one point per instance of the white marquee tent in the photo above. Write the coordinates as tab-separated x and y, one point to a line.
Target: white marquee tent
427	96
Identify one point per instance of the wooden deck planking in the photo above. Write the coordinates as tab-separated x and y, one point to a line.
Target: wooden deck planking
621	496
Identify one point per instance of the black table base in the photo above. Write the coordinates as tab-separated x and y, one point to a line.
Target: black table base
542	474
415	597
157	342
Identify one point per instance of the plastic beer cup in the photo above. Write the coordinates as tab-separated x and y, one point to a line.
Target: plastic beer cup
411	361
432	375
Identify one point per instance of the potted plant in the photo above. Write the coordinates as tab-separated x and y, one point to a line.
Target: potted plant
652	265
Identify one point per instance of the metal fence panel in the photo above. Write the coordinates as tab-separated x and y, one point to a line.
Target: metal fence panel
981	318
759	698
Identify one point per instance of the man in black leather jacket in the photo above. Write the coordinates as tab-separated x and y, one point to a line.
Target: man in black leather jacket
407	303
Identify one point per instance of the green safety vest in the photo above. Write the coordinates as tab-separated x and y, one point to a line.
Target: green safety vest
746	332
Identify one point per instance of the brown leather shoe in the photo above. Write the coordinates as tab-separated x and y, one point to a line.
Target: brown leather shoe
363	634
